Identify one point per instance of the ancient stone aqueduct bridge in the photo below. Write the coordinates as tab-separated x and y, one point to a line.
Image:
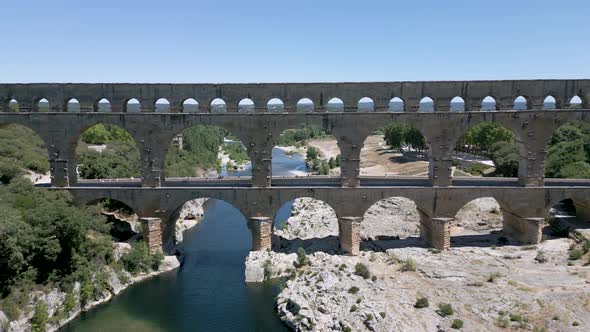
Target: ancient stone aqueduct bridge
524	202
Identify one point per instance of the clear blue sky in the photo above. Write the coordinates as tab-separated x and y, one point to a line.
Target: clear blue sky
292	41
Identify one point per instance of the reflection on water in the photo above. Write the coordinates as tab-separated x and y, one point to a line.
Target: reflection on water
208	292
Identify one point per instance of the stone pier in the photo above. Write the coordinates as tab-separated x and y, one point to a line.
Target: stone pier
436	232
525	230
152	233
349	233
261	228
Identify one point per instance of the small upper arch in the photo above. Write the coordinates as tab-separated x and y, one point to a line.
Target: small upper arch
550	103
73	105
335	105
190	105
426	105
521	103
457	104
489	104
162	105
305	105
275	105
366	104
218	106
102	105
246	105
576	102
132	105
396	104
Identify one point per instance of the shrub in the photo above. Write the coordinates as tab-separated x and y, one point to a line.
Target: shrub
302	259
409	265
445	309
342	267
267	268
362	270
493	276
40	317
576	254
382	314
354	308
421	302
457	324
139	259
353	290
374	278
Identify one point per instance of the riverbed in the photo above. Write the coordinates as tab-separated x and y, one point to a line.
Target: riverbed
208	292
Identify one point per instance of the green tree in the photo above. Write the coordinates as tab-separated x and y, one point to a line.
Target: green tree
562	154
505	158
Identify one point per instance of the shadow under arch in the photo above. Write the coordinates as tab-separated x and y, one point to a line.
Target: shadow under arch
305	222
203	152
568	214
105	151
396	151
392	222
21	147
220	219
123	218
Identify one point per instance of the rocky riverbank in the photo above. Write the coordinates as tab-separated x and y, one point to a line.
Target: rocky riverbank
489	282
62	306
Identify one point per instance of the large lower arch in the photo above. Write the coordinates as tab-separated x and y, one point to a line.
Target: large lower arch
479	222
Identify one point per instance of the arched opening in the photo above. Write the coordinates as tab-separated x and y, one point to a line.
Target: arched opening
106	151
190	105
42	105
391	222
426	105
275	105
576	102
457	104
485	150
568	152
294	220
73	105
307	150
395	151
335	105
478	223
13	105
123	221
366	104
488	104
103	106
521	103
23	153
162	105
206	152
218	106
246	105
549	103
569	216
396	104
305	105
133	106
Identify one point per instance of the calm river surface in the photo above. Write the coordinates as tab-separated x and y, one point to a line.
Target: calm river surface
208	292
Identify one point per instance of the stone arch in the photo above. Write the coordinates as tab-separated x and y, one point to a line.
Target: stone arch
406	155
105	151
21	140
246	105
275	105
73	105
479	222
13	105
132	105
102	105
335	105
205	151
305	105
566	153
550	103
310	223
218	105
577	102
123	217
474	150
162	105
305	150
457	104
41	105
489	103
190	105
366	104
521	103
396	104
390	220
427	104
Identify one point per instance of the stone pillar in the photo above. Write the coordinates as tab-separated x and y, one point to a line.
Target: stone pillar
349	234
440	172
152	233
473	105
442	105
261	228
531	166
59	173
436	232
525	230
349	162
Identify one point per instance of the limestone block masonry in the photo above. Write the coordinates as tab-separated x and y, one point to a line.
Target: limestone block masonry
524	201
152	233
